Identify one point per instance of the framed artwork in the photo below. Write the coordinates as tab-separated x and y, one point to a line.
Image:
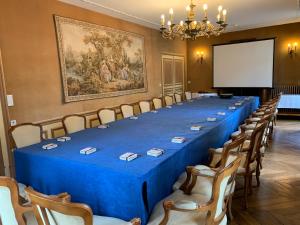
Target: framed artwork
98	61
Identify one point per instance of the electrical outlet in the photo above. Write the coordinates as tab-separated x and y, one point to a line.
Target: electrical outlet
13	123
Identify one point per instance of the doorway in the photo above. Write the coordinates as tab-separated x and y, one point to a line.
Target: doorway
172	74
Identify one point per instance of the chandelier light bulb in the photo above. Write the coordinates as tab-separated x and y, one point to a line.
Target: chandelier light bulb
220	8
162	20
188	8
224	14
181	23
171	12
169	23
205	7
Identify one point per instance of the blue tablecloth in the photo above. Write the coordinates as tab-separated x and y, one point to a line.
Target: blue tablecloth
116	188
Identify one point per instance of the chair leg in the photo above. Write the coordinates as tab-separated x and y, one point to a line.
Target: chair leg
246	184
250	184
257	173
229	208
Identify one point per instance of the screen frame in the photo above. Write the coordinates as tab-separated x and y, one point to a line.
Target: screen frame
240	42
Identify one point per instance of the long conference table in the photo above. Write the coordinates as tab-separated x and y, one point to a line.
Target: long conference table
122	189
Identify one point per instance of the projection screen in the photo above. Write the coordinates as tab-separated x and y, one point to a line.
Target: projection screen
247	64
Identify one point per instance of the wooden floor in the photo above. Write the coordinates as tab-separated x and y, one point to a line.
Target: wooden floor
277	200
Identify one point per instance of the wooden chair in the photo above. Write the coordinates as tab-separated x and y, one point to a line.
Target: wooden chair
157	103
106	116
250	160
12	212
74	123
58	212
127	111
25	134
188	95
169	100
204	183
178	98
195	95
144	106
197	209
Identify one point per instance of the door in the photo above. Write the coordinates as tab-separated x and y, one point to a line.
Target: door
172	74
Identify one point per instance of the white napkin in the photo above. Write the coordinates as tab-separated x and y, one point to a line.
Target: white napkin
49	146
128	156
178	140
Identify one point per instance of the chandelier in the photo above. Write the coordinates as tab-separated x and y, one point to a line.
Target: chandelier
191	29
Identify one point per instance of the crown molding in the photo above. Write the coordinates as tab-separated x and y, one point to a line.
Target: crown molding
97	7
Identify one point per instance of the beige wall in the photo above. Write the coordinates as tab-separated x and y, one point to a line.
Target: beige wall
31	64
287	70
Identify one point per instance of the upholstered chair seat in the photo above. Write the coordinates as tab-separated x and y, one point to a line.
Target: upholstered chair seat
58	211
103	220
259	113
56	218
22	192
250	126
183	201
254	119
204	183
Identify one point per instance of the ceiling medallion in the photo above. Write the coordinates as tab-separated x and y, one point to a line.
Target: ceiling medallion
191	29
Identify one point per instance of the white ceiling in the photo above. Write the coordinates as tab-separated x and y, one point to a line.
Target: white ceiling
242	14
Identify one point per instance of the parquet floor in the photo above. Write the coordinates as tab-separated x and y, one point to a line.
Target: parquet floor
277	200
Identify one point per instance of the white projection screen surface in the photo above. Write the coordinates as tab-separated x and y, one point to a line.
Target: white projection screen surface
248	64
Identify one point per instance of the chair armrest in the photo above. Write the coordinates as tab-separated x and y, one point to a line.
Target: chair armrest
135	221
186	206
203	172
65	197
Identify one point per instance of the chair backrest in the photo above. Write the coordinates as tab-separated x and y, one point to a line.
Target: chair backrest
74	123
178	97
232	150
255	144
106	116
144	106
127	111
188	95
26	134
195	95
157	103
49	210
11	212
217	206
168	100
